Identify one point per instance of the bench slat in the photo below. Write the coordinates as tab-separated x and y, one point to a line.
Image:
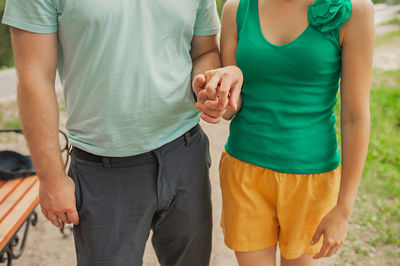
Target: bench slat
8	188
15	196
18	214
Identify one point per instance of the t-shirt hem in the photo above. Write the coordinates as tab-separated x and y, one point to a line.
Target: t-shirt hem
28	27
294	171
206	32
131	151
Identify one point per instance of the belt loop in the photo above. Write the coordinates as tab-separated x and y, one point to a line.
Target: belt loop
106	162
187	138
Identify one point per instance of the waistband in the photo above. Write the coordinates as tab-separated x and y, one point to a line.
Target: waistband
86	156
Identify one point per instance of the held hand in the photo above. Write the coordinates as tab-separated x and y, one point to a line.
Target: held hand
334	228
209	108
216	90
224	84
57	201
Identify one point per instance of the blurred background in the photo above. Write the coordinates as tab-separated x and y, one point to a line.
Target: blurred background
374	232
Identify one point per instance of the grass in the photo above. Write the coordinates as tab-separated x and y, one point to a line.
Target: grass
385	79
375	225
387	38
393	21
9	120
6	58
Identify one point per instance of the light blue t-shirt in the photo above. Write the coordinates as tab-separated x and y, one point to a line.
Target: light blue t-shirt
125	66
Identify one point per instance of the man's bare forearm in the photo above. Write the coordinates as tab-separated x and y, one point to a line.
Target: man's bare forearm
208	61
38	110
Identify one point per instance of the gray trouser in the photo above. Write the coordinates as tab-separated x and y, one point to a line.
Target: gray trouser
119	200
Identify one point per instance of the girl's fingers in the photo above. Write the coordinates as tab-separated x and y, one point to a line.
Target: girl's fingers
324	250
331	251
234	98
212	84
223	92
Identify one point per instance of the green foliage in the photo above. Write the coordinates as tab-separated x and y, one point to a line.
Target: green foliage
6	58
220	4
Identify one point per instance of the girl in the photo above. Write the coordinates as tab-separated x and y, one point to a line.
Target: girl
282	178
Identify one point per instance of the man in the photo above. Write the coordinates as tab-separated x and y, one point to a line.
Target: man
139	159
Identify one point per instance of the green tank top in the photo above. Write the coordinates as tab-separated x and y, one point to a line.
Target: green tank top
287	121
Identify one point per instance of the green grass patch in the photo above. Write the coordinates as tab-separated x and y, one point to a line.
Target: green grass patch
385	79
393	21
387	38
13	123
377	210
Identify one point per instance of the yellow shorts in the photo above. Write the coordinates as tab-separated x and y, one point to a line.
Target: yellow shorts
262	207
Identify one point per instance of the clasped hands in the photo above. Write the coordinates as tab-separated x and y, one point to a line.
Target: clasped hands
216	91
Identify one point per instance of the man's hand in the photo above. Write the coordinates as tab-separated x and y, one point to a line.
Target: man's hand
216	90
334	227
57	200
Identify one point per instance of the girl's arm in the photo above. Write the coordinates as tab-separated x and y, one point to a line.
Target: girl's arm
229	42
357	51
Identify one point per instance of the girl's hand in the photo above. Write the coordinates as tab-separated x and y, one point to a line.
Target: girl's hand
334	228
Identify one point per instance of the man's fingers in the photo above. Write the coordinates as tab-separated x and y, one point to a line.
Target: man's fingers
210	119
213	113
202	96
73	217
52	217
234	97
199	106
198	83
214	105
63	217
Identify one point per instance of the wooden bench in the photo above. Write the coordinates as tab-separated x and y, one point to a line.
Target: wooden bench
18	199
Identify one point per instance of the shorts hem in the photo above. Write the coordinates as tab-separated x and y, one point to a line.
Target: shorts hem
295	254
249	247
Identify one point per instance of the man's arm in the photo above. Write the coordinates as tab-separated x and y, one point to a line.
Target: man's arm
205	56
36	63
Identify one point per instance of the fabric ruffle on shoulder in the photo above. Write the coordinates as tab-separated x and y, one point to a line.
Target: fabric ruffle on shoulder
327	15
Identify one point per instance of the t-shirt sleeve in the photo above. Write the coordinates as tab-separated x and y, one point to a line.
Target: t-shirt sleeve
39	16
207	20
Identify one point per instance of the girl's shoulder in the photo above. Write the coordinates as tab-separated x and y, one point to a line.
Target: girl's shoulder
231	7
